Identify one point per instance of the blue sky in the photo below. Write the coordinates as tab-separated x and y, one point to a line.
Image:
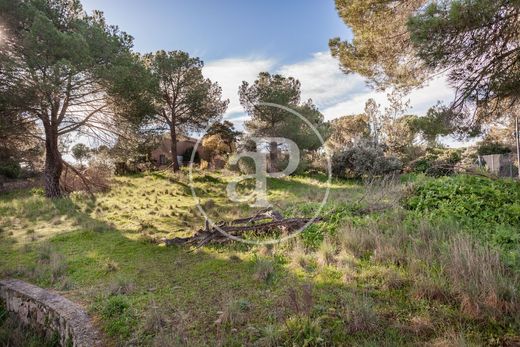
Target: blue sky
288	30
237	39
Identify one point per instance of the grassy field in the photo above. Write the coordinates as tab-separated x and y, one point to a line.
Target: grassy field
373	274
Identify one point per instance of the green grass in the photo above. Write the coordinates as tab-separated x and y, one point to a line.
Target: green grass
347	291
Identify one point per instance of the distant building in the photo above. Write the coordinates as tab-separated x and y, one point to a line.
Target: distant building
162	155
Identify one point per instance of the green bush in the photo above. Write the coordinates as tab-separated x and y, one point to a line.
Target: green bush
489	209
10	169
365	159
485	148
436	162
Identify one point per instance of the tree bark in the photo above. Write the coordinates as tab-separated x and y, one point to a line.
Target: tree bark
273	154
173	136
53	164
517	137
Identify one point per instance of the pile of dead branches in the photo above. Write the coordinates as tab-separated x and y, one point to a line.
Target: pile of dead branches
264	222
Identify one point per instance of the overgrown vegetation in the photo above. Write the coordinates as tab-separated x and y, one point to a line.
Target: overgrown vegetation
488	209
375	273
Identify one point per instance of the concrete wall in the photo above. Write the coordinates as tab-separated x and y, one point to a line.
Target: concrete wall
49	312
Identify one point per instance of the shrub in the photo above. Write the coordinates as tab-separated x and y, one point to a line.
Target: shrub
485	148
264	270
363	160
303	331
489	209
484	200
436	162
246	165
10	169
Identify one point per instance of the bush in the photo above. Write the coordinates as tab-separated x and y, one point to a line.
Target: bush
246	165
486	148
488	208
436	162
10	169
364	160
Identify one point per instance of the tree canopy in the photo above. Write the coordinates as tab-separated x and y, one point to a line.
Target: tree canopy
68	72
272	121
347	131
402	43
184	99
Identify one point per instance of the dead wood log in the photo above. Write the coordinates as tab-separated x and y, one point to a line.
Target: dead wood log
221	232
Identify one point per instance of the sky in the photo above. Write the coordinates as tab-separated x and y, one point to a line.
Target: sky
237	39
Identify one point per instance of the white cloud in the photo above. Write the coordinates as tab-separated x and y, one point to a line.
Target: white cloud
230	73
322	80
338	94
334	92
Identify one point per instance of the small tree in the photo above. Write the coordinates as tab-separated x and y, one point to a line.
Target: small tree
80	152
184	99
221	139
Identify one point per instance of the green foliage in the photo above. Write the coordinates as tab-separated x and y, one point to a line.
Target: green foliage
347	130
67	70
80	152
10	169
363	160
489	209
303	331
184	99
432	125
436	162
272	121
475	40
485	148
116	312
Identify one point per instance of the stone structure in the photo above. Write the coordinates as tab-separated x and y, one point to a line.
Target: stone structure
49	312
502	165
162	155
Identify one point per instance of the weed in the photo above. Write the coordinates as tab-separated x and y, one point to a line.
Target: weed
302	331
110	266
264	270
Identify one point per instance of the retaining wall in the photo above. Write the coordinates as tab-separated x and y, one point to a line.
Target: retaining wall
49	312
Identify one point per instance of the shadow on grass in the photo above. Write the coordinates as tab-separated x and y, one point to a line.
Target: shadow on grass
140	291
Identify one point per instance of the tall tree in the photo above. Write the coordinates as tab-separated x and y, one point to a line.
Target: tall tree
185	100
269	121
400	43
74	71
381	49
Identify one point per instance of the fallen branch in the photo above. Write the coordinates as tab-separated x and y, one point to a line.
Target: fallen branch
220	233
86	182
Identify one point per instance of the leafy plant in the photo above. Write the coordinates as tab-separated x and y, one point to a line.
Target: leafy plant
489	209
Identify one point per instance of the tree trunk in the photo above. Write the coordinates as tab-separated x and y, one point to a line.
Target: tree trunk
273	154
173	136
53	164
517	136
